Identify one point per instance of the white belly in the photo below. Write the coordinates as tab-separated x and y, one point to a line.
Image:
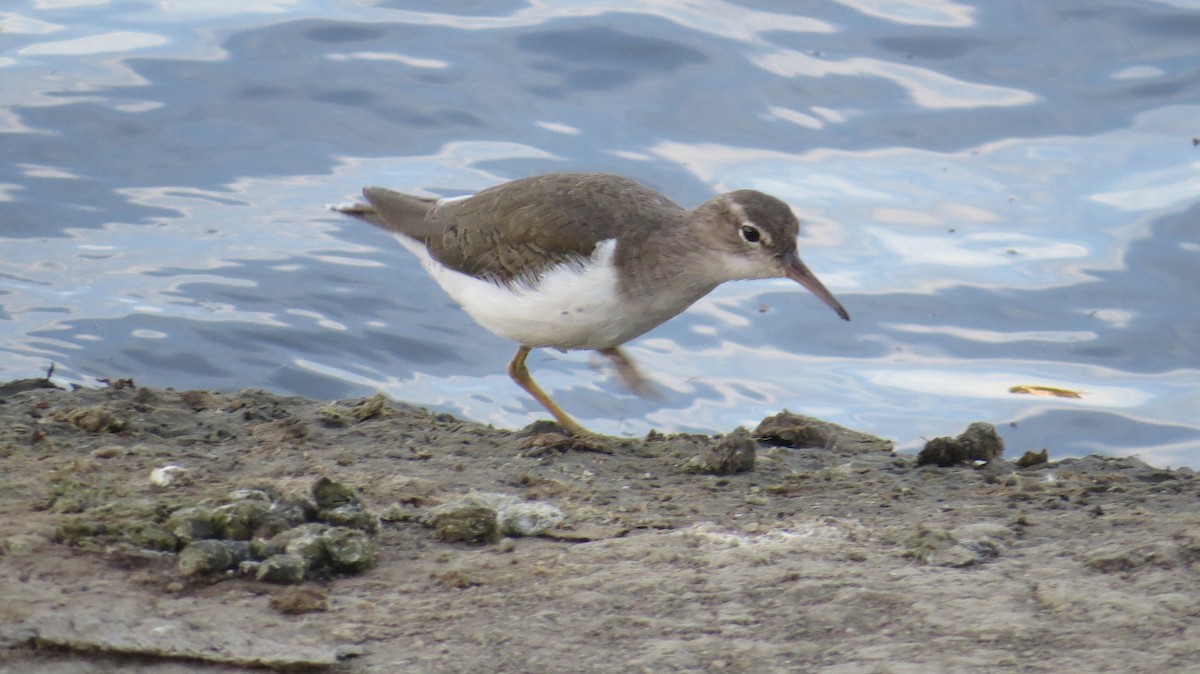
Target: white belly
572	307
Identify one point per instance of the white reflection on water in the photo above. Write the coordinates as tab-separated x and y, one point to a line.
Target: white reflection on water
1161	189
928	88
230	7
67	4
15	24
107	43
992	336
410	61
722	19
939	13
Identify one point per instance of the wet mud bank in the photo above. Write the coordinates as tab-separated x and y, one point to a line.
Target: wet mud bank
181	531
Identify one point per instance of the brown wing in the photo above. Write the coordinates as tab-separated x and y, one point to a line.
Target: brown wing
517	230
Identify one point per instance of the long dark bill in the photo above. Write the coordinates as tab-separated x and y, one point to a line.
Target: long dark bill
794	269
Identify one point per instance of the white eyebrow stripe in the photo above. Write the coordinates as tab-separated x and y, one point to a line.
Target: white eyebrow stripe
740	214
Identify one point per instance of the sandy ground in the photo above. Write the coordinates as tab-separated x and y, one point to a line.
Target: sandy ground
837	558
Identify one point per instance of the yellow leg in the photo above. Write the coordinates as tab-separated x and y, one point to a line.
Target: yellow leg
520	374
633	379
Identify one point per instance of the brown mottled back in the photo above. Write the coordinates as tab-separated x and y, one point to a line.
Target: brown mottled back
519	229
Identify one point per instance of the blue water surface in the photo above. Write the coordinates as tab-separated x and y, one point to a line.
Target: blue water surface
1001	193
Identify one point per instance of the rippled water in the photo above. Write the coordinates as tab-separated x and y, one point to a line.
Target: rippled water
1001	194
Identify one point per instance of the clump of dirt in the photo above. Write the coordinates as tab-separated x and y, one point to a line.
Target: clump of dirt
979	442
203	531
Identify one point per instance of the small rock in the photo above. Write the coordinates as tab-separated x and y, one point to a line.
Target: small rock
240	520
331	494
350	515
466	520
735	453
340	505
261	548
1034	458
348	550
943	452
398	512
794	430
284	569
982	441
528	518
150	536
192	523
167	476
291	510
978	443
307	541
257	513
201	557
280	518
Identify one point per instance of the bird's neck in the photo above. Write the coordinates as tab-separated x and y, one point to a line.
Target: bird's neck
666	262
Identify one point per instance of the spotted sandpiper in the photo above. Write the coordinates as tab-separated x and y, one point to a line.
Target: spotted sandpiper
588	260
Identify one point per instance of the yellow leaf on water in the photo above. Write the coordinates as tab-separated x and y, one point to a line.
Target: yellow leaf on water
1046	391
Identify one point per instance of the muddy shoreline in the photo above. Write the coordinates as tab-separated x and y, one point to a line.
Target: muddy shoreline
807	548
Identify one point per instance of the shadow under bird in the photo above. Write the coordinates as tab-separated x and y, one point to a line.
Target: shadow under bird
588	260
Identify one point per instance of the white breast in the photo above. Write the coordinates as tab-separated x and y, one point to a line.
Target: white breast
572	306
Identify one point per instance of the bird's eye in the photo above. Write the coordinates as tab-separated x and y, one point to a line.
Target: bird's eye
751	234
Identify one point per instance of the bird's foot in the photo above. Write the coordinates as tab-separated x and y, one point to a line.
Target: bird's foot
630	375
520	374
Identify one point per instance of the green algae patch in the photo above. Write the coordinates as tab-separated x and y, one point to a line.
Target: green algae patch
94	419
138	522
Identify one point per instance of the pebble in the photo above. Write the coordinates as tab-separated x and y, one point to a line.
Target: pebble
963	546
482	517
201	557
349	550
284	569
167	476
979	442
463	521
735	453
528	518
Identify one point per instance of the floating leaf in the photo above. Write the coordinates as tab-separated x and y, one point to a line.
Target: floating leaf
1046	391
